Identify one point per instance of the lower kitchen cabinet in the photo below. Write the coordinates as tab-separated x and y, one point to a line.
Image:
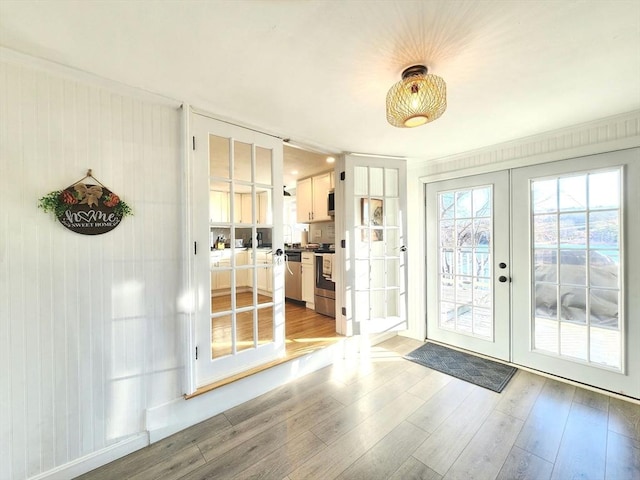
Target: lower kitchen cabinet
308	277
264	260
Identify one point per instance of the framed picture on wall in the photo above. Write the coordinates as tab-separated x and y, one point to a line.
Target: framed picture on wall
371	214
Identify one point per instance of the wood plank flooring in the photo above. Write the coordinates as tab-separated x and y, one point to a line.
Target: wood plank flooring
388	418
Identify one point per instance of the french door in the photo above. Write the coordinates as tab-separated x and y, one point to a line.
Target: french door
468	263
375	222
236	185
576	269
561	297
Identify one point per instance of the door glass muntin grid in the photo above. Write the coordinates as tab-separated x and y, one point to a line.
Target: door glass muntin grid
465	288
240	206
377	242
576	258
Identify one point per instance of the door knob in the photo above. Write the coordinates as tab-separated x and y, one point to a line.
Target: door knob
403	248
502	265
502	279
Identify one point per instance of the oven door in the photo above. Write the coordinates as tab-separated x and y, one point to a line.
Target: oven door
324	286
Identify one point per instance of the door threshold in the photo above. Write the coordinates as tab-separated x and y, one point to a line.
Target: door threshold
295	349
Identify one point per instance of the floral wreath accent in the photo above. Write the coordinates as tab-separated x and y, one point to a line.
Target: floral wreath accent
86	208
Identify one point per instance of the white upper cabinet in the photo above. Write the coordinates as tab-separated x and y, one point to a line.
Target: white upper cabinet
304	200
218	207
311	198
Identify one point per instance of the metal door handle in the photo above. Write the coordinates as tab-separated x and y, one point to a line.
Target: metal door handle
502	279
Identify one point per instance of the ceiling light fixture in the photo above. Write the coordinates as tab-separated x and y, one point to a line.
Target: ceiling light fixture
331	159
417	99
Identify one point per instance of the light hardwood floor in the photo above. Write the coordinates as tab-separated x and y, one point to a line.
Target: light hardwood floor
388	418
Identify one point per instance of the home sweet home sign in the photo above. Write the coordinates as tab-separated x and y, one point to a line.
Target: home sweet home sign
86	208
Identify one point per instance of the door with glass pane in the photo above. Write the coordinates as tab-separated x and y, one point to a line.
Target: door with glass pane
468	263
237	224
375	219
576	230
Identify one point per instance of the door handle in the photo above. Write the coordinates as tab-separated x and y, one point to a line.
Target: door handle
403	248
502	279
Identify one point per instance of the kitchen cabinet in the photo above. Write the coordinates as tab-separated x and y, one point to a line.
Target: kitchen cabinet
242	275
321	186
221	269
265	280
246	211
220	279
237	208
311	198
264	208
308	280
218	206
304	200
243	212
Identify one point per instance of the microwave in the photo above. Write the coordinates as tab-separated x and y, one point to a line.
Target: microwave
331	203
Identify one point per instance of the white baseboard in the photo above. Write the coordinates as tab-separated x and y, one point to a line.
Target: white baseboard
96	459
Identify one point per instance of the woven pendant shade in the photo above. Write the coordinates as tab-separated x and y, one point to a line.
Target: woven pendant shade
417	99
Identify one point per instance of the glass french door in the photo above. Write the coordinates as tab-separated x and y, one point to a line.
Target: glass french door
468	271
576	254
237	226
375	221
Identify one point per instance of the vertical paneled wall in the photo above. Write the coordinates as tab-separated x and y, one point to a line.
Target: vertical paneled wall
88	329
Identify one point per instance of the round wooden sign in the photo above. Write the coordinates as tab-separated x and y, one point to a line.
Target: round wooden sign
91	209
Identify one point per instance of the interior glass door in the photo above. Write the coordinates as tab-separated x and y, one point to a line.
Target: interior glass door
238	221
576	233
468	263
375	219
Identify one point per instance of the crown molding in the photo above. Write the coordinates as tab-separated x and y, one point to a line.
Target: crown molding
617	132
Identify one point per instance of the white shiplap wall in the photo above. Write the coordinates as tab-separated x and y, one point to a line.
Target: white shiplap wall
88	328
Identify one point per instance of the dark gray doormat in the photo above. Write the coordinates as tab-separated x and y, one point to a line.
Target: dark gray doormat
472	369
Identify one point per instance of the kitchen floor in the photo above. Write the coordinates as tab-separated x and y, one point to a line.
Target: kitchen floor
306	330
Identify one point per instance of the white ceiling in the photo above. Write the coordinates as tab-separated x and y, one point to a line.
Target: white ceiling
317	72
